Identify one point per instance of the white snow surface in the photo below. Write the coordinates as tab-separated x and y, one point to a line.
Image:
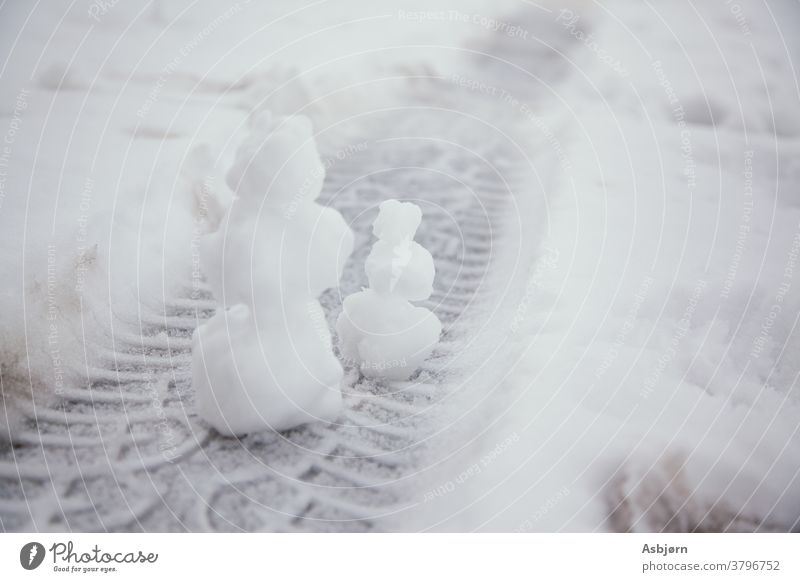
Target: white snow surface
632	363
650	376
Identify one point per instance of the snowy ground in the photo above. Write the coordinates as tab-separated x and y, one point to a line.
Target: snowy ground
610	196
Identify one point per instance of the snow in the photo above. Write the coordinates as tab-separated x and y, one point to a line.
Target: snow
651	381
266	362
630	362
275	240
250	378
379	329
397	264
103	112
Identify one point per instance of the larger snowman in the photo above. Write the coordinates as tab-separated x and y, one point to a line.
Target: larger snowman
265	359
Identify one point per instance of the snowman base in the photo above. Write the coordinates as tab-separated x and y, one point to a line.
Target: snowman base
251	380
384	335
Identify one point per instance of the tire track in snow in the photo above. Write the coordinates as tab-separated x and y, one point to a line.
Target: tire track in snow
126	452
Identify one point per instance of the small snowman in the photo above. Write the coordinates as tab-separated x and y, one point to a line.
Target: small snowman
265	360
379	329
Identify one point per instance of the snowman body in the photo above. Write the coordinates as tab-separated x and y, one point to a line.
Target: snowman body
380	331
265	359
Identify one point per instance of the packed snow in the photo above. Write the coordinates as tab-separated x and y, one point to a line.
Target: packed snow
265	360
379	330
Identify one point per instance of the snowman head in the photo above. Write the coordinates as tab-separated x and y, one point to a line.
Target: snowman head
278	162
397	221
